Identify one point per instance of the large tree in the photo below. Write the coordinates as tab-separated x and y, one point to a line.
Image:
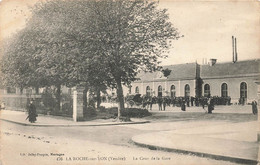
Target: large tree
68	58
95	43
130	36
55	41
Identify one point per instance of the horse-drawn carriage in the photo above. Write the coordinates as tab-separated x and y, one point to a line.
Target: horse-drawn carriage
134	100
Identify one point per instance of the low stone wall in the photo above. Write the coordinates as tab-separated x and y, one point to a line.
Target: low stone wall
20	102
15	102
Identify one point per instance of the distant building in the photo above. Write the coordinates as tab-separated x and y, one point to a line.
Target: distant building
235	79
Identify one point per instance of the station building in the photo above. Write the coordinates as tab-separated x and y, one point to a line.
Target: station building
237	80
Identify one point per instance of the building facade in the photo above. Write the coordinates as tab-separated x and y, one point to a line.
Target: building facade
236	80
182	81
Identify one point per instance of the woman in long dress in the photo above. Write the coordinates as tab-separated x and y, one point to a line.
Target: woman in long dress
32	112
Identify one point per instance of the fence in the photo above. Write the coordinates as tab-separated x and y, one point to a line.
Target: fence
44	104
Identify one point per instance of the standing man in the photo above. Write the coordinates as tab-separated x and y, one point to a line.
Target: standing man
187	101
210	105
154	100
164	102
254	107
150	103
196	101
192	100
173	101
203	101
160	103
183	105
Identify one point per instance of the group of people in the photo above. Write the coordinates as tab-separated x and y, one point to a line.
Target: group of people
183	102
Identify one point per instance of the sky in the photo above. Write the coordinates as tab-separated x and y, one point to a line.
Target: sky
207	26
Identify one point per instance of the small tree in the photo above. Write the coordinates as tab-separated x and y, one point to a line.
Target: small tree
166	72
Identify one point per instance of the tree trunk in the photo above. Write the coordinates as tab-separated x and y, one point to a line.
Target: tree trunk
85	102
21	90
120	97
98	98
58	97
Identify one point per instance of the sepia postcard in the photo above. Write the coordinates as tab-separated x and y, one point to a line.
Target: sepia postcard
158	82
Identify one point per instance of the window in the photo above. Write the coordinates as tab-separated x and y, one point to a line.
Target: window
224	90
159	91
173	92
136	90
187	91
206	90
243	90
148	91
11	90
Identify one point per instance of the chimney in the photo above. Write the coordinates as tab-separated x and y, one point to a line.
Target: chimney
212	62
234	49
235	60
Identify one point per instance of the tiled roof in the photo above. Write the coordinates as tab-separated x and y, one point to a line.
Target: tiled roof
219	70
240	68
178	72
182	71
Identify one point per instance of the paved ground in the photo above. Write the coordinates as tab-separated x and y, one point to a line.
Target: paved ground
231	134
42	145
234	142
19	117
